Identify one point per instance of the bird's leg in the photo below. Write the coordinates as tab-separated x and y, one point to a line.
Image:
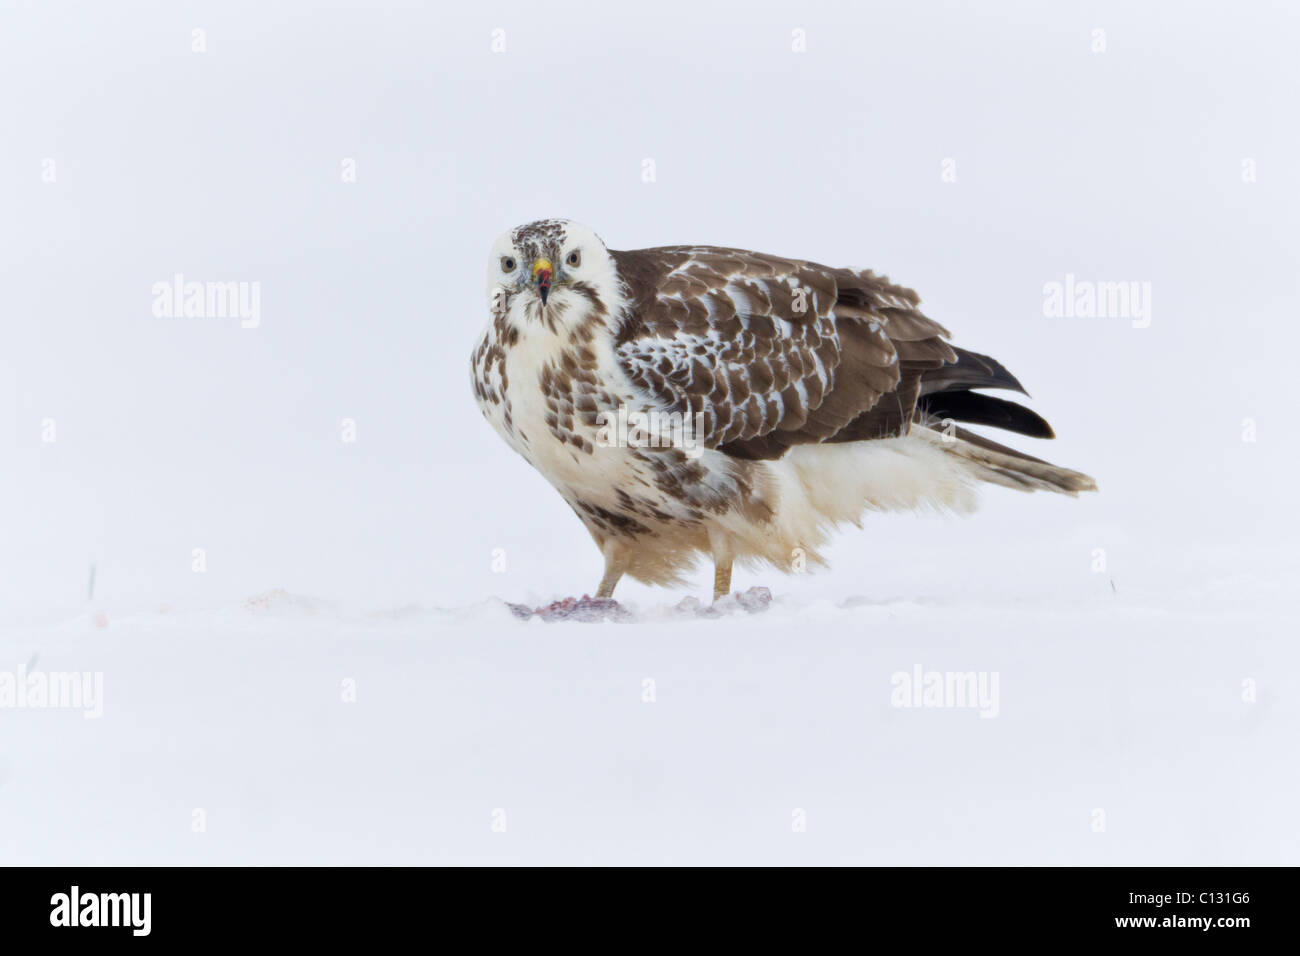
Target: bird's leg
608	582
721	579
722	555
615	565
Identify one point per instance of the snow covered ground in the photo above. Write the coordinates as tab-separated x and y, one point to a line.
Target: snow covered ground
304	536
1120	732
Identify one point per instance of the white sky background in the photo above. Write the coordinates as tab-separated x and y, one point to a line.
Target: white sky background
174	434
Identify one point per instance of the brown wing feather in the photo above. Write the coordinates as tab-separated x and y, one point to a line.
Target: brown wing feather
774	352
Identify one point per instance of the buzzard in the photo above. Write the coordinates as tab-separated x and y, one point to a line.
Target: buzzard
690	400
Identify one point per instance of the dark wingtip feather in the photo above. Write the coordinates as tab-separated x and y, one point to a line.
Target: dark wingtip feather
977	409
971	370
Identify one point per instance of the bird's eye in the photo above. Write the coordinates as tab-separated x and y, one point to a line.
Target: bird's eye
574	258
508	264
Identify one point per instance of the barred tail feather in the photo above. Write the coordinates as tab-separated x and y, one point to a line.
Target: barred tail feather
1000	465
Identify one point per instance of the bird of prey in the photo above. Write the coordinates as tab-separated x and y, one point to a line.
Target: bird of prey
697	400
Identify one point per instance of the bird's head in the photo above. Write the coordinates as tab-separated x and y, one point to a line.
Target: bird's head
556	265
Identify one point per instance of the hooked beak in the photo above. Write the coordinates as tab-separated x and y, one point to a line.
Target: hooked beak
542	276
